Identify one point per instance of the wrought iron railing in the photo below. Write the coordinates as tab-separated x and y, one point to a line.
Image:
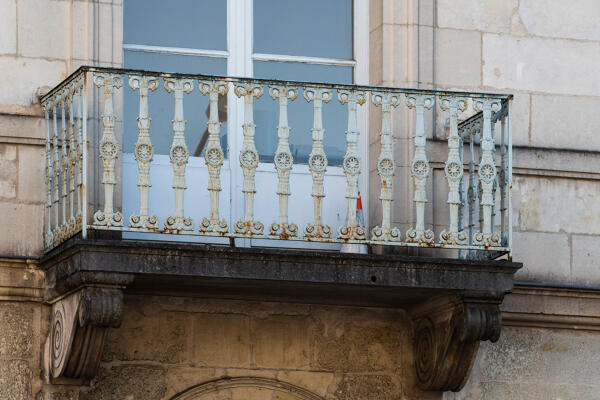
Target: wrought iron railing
81	117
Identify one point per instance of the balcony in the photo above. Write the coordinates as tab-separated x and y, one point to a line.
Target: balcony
476	163
243	218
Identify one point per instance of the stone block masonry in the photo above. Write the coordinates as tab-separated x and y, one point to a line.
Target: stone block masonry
167	345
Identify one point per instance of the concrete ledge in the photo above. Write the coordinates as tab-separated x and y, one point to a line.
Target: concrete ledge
268	274
552	307
20	280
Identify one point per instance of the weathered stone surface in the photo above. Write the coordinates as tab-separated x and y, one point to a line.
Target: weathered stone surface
8	27
256	309
22	234
316	382
161	337
222	340
31	174
521	111
22	126
552	19
250	272
16	332
528	391
565	355
565	122
58	395
180	378
533	65
586	260
127	382
22	77
489	16
536	201
536	363
37	16
464	47
109	17
20	280
376	387
15	380
8	171
376	51
80	33
546	257
561	302
351	343
281	342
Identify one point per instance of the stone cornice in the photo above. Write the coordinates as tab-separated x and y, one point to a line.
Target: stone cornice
552	307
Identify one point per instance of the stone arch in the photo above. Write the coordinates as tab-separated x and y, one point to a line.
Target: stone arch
204	390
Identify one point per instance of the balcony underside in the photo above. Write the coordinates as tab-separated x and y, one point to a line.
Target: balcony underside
453	304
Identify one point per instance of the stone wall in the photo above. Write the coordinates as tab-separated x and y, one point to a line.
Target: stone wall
534	363
23	325
544	52
167	345
41	43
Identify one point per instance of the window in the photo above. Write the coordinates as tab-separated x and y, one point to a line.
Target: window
309	40
172	37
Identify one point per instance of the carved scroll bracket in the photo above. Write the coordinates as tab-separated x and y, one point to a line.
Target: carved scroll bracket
80	322
447	331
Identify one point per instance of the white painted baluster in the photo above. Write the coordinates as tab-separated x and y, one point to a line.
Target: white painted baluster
248	160
495	183
461	186
352	165
472	192
503	173
64	164
56	169
72	158
178	154
143	151
109	150
454	172
283	162
214	156
49	237
79	126
317	162
386	167
487	173
419	169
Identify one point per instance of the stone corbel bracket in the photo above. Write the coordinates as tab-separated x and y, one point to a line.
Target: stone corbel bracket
80	322
447	331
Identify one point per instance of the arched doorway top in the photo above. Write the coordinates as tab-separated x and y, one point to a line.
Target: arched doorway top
198	391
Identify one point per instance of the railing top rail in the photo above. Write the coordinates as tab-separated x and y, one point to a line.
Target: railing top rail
369	88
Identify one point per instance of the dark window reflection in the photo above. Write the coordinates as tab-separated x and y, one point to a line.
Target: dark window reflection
161	104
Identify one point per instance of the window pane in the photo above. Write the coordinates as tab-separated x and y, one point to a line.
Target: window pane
161	103
314	28
300	112
197	24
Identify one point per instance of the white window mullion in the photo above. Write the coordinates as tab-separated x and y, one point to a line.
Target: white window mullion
361	77
239	63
